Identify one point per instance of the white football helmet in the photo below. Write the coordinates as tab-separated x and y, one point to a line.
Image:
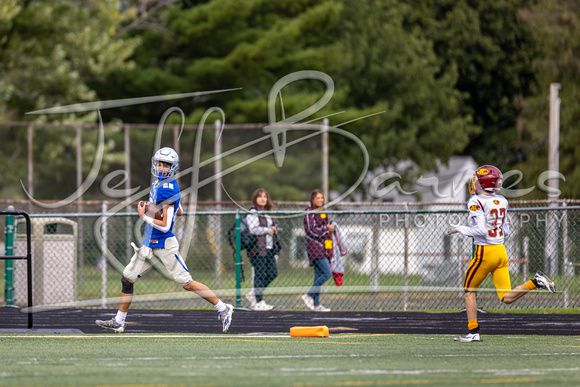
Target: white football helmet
166	155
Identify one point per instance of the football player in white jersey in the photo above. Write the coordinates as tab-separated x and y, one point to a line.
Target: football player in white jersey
161	242
488	226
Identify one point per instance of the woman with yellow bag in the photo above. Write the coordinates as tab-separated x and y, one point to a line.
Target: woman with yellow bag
319	248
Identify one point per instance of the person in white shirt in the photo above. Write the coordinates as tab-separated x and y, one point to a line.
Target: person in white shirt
263	254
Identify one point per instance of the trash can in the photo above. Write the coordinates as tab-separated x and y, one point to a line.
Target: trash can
54	268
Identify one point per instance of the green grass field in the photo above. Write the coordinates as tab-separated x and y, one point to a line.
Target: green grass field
276	360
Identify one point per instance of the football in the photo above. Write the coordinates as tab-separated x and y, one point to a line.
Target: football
152	210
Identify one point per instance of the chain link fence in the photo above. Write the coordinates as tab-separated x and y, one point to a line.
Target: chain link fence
398	257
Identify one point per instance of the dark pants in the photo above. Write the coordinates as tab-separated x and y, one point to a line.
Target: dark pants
322	273
265	271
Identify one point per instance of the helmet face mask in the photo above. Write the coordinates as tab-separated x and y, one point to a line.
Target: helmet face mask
473	185
487	178
164	163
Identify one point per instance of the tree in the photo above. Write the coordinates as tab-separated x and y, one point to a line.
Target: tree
493	51
50	52
556	26
378	63
431	78
390	66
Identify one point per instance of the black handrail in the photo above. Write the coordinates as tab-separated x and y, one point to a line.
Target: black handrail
28	256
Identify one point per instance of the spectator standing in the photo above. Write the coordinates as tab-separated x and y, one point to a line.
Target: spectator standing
319	248
264	254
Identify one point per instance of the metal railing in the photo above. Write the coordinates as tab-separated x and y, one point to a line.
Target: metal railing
9	257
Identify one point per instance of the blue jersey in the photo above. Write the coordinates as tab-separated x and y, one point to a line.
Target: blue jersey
162	193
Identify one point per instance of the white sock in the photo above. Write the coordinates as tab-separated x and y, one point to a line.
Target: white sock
120	317
220	306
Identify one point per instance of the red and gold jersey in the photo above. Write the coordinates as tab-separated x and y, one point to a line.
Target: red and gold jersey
487	219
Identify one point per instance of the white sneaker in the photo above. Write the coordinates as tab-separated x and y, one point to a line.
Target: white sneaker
252	298
262	306
308	301
469	338
320	308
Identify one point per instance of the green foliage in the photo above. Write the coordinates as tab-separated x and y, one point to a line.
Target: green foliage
52	49
50	52
492	50
439	78
290	182
378	64
389	67
557	26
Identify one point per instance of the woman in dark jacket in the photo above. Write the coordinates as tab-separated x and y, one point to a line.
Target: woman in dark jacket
263	254
318	247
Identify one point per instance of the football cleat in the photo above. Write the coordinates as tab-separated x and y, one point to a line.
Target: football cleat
226	317
111	324
542	281
471	337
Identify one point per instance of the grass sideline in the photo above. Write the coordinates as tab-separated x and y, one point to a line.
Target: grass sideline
278	360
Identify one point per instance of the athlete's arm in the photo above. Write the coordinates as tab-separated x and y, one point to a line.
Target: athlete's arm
477	227
477	220
164	224
505	226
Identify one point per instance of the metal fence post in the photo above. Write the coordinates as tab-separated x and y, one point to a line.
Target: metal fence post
104	243
9	264
218	198
374	277
551	244
565	262
238	262
526	257
406	261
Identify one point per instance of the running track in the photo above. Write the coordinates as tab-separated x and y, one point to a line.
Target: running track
12	320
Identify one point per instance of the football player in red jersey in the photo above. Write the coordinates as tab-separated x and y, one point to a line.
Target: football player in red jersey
488	226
